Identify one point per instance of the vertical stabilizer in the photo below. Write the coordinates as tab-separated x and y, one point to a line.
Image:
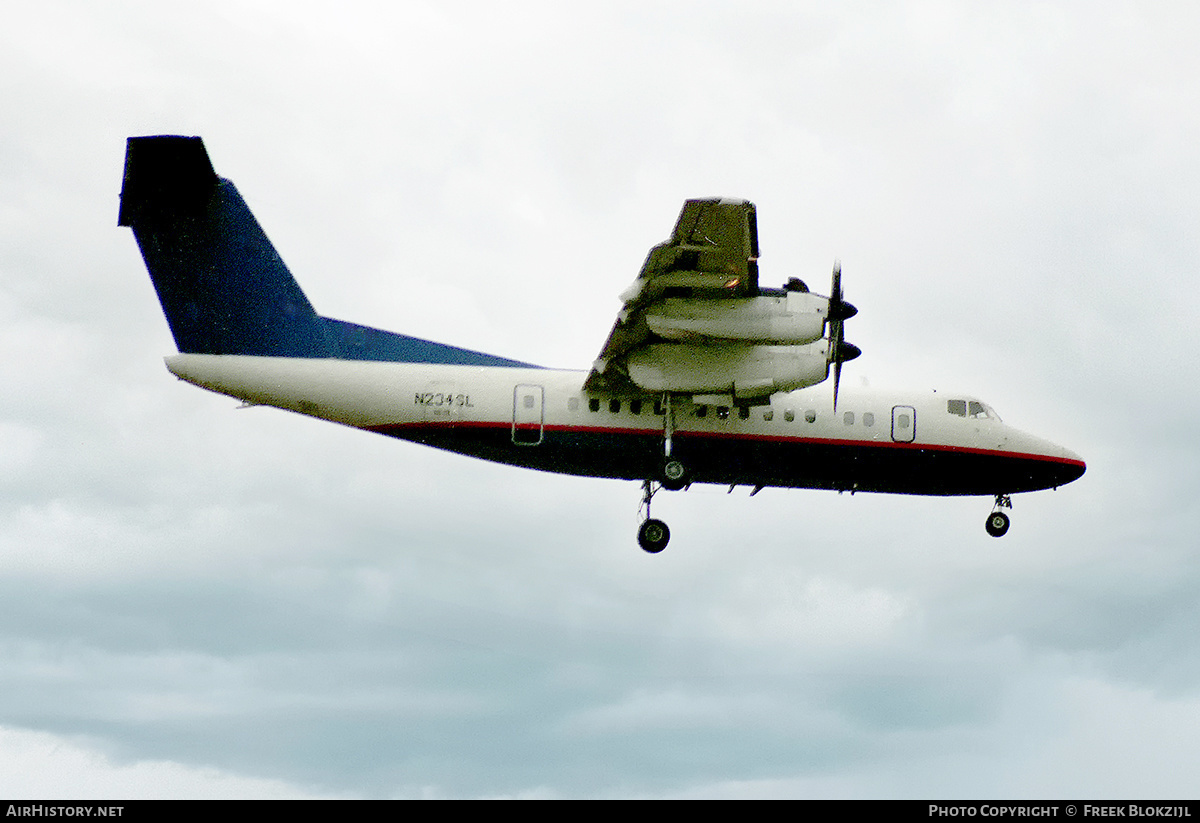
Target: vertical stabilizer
222	286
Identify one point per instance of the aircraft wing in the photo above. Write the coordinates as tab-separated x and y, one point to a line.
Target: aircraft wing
712	255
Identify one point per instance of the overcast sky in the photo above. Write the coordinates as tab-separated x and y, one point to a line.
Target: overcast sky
202	601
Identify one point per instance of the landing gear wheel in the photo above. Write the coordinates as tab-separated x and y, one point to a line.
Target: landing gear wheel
997	524
674	475
653	536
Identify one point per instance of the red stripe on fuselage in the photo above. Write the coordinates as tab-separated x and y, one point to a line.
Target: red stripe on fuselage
397	428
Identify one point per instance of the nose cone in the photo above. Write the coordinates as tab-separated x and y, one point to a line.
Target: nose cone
1070	468
1053	466
1041	464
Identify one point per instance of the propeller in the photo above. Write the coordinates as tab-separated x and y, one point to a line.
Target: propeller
839	312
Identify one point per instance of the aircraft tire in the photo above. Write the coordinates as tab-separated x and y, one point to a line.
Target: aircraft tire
997	524
653	536
674	475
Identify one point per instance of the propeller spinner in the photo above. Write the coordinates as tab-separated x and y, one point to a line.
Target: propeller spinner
839	312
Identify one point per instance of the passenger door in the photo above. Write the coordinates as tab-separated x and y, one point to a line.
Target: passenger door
528	414
904	424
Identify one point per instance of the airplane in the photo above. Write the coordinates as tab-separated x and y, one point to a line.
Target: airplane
706	376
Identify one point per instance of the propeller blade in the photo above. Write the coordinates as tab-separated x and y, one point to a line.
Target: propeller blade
837	379
839	311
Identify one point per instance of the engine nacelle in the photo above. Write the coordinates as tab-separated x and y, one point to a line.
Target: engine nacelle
794	319
745	371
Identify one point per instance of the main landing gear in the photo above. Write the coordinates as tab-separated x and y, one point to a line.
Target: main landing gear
673	476
998	522
653	535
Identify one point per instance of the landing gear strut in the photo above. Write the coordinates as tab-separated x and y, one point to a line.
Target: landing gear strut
673	475
998	522
653	534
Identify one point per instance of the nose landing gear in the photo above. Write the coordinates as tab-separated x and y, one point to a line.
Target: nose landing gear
998	522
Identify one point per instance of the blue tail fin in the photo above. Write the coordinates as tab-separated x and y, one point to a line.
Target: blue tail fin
222	286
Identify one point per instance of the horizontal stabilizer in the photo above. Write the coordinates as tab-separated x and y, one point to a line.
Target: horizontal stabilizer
165	175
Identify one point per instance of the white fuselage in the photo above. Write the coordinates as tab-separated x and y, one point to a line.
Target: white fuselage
917	443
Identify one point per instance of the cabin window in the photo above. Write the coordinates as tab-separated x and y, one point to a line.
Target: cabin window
702	411
868	419
658	407
810	416
528	400
789	415
769	415
614	406
573	404
975	409
902	421
848	419
723	412
958	407
635	406
744	412
594	404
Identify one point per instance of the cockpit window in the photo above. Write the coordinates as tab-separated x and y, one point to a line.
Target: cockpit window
971	408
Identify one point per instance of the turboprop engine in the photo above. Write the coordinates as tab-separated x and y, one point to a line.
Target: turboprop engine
702	342
792	319
745	371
